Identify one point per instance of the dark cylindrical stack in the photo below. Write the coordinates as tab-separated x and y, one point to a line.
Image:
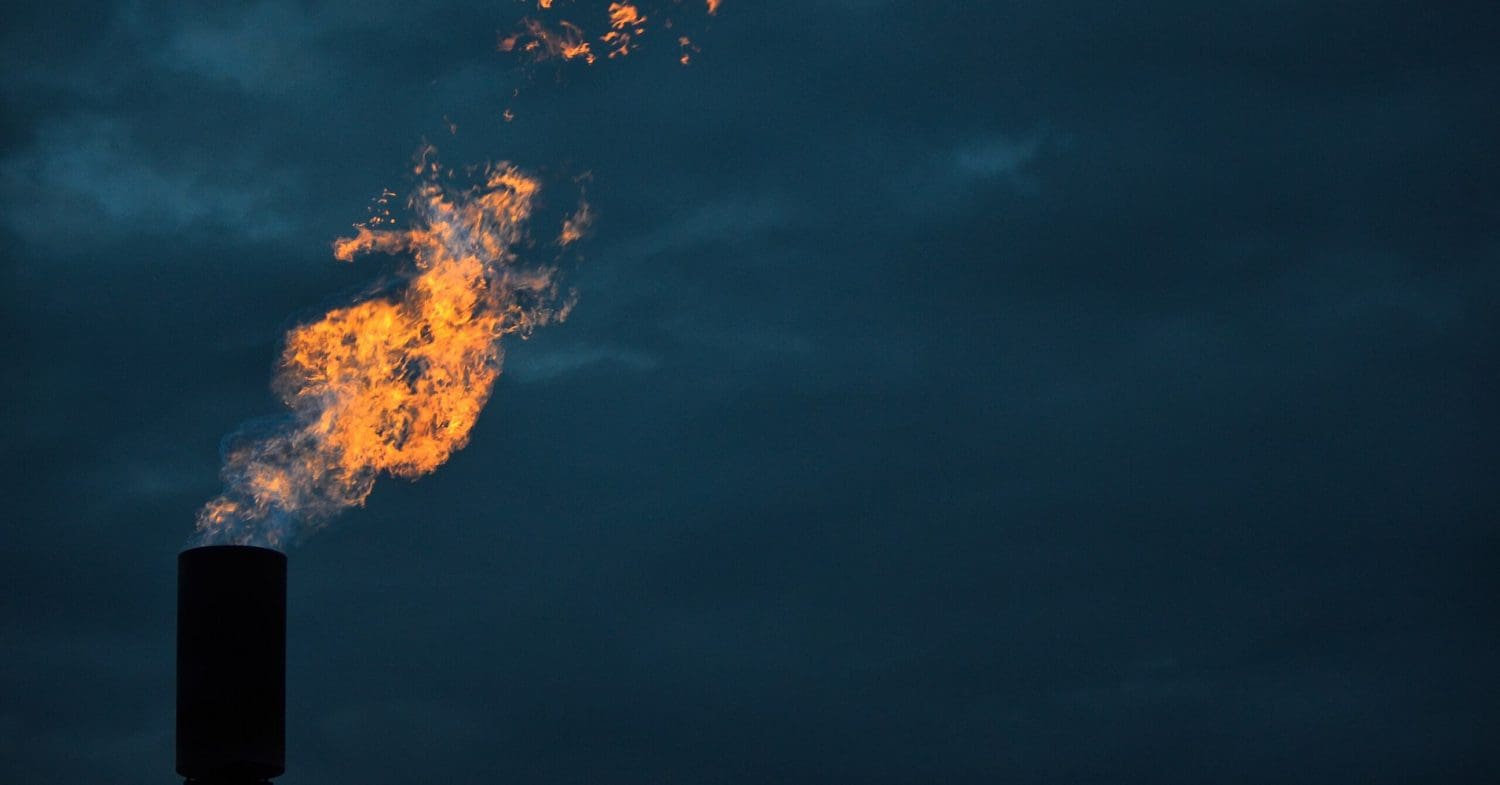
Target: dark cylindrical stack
231	664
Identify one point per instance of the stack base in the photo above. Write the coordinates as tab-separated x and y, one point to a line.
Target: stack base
231	665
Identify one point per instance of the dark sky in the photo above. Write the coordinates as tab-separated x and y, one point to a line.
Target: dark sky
958	392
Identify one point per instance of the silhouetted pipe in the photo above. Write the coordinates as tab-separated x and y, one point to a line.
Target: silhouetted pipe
231	664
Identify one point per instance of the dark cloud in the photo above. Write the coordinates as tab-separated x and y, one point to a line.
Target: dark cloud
956	391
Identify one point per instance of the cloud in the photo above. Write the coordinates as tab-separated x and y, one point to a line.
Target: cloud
86	181
557	362
261	48
993	157
267	48
928	180
732	218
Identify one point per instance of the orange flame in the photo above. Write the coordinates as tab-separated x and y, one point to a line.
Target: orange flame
576	225
625	23
623	15
542	43
393	385
570	42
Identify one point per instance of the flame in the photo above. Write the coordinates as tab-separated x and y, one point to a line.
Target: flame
543	43
569	41
576	225
394	385
623	15
625	22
